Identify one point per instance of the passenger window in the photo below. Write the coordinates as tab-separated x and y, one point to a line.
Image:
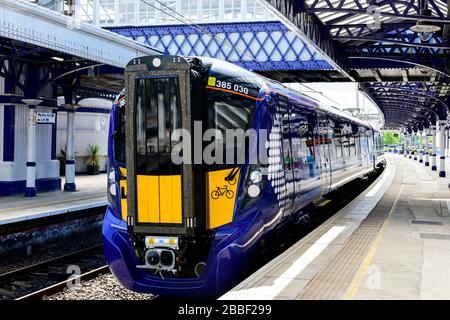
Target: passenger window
230	112
345	144
287	152
338	143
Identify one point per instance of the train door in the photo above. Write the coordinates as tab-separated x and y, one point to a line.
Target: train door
306	155
323	147
288	188
296	146
160	192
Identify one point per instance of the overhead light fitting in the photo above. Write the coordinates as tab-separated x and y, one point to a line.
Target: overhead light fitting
58	59
425	29
91	73
424	70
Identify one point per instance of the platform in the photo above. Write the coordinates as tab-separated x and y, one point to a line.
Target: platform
91	193
391	242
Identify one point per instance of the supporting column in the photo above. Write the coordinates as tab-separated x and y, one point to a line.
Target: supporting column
30	188
433	146
405	146
96	11
415	145
447	139
427	150
410	146
420	147
69	184
442	128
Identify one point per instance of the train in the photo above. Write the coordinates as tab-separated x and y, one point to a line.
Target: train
194	227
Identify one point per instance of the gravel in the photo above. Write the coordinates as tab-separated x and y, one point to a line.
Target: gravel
104	287
15	260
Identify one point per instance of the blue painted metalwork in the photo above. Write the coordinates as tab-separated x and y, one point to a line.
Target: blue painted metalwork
258	46
433	58
403	102
389	33
362	41
9	115
54	129
85	92
406	9
9	188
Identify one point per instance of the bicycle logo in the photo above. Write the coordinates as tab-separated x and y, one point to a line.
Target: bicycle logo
221	192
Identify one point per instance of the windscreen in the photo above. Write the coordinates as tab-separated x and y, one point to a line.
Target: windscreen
158	114
229	113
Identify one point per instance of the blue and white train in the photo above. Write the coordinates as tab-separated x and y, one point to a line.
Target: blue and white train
194	229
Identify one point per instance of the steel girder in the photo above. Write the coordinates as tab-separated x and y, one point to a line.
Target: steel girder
405	9
34	72
432	58
402	101
389	33
375	34
87	92
387	43
258	46
292	13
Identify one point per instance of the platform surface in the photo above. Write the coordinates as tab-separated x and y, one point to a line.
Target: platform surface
91	192
391	242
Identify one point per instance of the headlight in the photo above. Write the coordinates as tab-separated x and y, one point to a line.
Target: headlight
256	176
112	190
112	182
253	190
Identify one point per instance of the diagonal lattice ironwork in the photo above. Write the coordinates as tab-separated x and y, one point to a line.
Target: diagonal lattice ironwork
258	46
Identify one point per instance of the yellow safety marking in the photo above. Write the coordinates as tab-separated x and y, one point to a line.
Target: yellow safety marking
148	199
324	203
170	210
212	81
359	276
123	199
221	197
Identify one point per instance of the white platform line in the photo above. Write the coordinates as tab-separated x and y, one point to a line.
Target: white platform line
389	173
270	292
55	212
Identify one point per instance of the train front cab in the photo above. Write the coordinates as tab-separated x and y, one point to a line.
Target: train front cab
165	236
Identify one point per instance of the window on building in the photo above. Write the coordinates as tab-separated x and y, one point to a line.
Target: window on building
210	10
168	11
147	12
127	11
189	9
232	9
106	11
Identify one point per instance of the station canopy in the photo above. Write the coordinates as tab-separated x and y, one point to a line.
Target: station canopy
398	51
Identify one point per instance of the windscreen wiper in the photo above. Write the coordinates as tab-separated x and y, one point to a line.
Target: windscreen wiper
232	174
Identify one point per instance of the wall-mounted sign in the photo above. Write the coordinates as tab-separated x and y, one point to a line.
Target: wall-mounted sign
45	117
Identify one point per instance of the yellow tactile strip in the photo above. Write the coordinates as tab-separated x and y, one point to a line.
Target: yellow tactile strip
304	244
332	282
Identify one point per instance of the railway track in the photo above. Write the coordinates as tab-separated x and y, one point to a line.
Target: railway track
60	286
52	273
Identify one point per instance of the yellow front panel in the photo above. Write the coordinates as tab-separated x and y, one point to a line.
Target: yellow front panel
123	199
148	199
221	196
170	199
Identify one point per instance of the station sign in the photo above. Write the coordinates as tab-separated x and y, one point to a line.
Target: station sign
45	117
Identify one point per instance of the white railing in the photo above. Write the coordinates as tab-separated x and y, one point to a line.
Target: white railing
27	22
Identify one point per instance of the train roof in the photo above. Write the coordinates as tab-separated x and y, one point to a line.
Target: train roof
223	67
